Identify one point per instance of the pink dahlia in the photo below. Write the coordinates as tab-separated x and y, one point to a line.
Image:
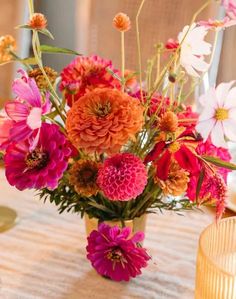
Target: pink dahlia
41	167
122	177
27	109
113	254
84	74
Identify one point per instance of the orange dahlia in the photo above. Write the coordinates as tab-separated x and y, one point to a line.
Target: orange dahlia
103	120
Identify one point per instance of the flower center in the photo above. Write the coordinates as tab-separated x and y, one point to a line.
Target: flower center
221	114
102	110
218	23
174	147
116	256
87	175
37	159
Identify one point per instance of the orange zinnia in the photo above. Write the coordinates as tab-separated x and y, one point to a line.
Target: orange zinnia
103	120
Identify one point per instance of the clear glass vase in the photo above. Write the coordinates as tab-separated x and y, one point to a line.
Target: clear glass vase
216	261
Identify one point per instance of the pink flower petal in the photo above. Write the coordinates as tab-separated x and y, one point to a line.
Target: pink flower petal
205	127
229	126
230	101
222	91
17	111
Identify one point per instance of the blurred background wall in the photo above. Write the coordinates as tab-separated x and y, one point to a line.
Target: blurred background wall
86	26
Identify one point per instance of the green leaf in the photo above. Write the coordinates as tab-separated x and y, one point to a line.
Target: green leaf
199	183
46	32
56	50
220	163
29	60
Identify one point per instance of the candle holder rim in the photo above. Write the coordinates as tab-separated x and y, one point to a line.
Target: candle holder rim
210	260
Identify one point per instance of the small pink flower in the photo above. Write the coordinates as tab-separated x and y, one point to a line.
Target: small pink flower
217	24
230	6
41	167
122	177
171	44
27	109
114	254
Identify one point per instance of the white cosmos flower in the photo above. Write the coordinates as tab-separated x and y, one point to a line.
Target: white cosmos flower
218	118
193	49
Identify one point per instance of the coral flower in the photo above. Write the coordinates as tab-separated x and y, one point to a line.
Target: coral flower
84	74
121	22
122	177
27	109
217	24
176	183
230	7
114	254
104	120
218	118
38	21
193	49
6	125
83	177
7	45
168	122
41	167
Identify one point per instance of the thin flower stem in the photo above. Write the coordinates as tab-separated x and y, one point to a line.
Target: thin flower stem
123	59
38	60
172	59
139	48
31	7
214	47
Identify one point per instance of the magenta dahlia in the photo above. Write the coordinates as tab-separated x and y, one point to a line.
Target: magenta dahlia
122	177
113	254
84	74
42	166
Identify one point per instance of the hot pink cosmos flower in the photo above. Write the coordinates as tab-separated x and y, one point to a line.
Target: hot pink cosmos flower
230	6
27	109
41	167
114	254
84	74
217	24
122	177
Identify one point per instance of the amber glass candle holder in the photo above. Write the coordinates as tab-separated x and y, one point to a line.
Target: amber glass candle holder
216	261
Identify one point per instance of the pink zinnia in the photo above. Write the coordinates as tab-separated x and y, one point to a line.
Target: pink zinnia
84	74
41	167
27	109
122	177
188	118
113	254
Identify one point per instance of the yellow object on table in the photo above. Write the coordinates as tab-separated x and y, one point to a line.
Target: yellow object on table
216	262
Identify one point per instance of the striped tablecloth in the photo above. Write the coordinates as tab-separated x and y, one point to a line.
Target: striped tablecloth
44	255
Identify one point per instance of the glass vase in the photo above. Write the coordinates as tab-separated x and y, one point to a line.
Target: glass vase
216	261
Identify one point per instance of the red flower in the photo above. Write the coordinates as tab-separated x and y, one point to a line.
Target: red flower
182	150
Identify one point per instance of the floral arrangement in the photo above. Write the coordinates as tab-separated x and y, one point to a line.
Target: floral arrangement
114	145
